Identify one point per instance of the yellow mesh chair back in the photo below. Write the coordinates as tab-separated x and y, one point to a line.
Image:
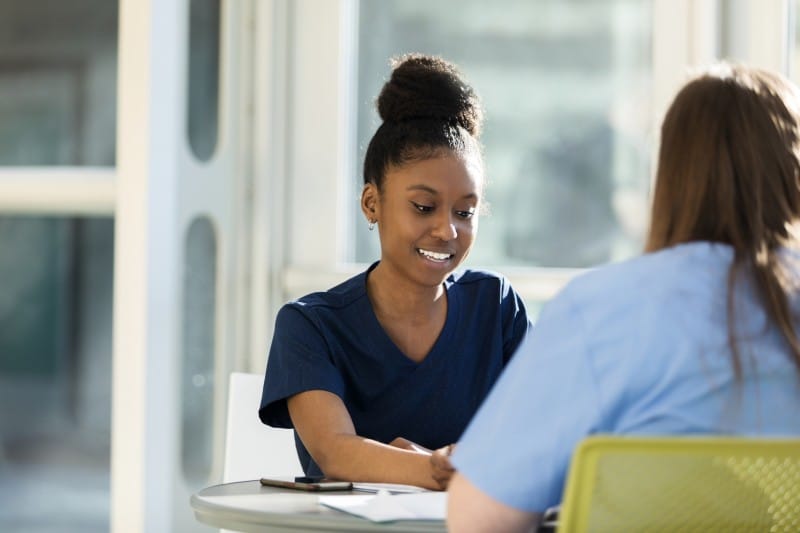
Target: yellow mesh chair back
683	484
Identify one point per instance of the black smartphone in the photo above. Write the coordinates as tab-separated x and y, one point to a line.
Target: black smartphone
310	484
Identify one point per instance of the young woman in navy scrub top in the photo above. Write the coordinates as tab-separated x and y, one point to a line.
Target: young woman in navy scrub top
380	375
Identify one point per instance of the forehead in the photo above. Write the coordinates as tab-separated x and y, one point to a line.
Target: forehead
447	173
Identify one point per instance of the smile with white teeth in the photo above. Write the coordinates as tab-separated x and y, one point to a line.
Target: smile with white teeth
434	256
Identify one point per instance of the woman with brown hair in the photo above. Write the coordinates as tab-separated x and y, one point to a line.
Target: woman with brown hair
697	336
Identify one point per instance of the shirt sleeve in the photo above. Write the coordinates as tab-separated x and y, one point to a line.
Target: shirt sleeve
516	323
299	360
518	446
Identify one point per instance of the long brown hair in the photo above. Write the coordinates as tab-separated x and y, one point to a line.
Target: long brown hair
729	172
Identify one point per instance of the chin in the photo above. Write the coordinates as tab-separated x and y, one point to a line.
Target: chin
434	279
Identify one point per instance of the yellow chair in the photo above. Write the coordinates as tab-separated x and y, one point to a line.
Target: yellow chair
682	484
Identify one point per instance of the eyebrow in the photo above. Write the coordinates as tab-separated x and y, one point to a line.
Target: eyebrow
431	190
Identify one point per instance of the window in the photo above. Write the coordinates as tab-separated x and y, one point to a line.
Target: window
57	117
203	84
55	372
58	82
197	370
566	87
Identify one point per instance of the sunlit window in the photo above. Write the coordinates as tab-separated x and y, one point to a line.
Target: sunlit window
197	362
55	373
202	109
566	86
58	72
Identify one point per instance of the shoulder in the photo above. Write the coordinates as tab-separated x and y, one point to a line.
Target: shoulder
690	267
479	281
639	300
336	299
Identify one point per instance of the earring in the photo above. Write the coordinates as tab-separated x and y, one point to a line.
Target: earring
371	225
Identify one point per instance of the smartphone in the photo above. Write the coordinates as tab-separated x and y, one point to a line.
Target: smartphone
311	484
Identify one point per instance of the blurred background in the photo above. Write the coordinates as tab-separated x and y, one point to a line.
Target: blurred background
172	171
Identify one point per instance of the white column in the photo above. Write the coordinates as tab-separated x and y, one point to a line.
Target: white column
766	27
144	404
321	51
685	35
270	165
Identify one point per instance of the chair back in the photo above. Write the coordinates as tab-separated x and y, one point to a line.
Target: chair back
682	484
253	450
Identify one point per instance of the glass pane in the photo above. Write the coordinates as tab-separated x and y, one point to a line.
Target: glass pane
58	76
55	373
566	86
197	388
203	83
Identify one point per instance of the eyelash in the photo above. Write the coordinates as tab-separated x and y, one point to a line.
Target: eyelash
426	209
423	209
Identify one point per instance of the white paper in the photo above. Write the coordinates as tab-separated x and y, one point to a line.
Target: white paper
386	507
389	487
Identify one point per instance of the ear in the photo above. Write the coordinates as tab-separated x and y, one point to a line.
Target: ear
369	202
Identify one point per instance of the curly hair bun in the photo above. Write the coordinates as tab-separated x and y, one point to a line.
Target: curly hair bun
428	87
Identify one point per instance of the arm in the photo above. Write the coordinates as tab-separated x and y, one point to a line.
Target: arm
443	470
326	429
470	509
518	446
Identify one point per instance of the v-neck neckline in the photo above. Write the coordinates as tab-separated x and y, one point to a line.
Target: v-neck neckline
442	340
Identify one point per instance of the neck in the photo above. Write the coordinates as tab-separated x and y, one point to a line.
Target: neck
393	295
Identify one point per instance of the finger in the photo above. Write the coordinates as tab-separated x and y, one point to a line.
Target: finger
441	461
443	479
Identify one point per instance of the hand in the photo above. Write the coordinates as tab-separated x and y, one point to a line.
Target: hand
442	468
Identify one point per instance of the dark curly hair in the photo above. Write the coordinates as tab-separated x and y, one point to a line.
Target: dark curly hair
426	107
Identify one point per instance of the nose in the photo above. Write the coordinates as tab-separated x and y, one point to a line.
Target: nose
444	228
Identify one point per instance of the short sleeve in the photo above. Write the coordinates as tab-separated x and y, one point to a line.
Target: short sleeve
299	360
516	323
518	446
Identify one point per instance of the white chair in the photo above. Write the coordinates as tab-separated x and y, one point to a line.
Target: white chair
253	450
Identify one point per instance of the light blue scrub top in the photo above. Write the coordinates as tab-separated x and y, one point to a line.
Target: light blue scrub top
640	347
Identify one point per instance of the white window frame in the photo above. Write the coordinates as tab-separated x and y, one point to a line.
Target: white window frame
161	188
59	190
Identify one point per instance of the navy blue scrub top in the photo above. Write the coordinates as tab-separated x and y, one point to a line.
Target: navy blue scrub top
332	341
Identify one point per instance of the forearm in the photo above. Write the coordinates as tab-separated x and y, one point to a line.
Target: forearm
325	427
473	511
355	458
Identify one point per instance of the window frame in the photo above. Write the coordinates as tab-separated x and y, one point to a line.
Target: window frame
58	190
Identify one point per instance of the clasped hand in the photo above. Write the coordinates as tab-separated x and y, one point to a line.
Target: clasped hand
441	468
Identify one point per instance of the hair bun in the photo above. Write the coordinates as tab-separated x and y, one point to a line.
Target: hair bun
428	87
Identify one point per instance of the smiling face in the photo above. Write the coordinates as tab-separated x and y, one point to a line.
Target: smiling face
427	215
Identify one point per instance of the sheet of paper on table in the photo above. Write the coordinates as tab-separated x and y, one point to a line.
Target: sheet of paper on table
386	507
392	488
